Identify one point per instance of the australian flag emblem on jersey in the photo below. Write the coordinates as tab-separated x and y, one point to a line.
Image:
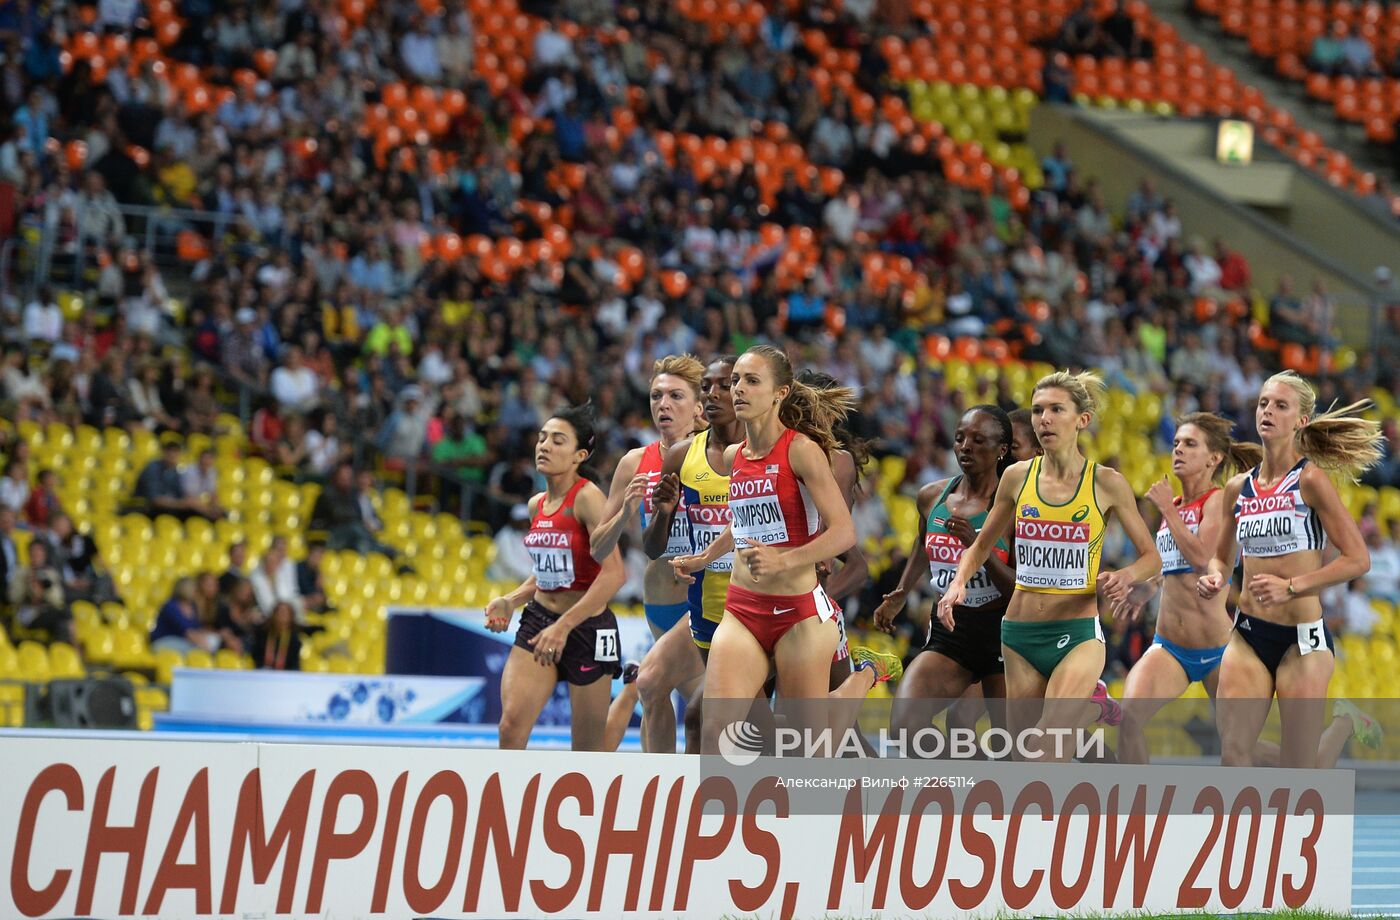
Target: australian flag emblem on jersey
1030	511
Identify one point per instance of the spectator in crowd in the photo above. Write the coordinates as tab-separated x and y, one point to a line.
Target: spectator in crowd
1383	581
43	503
239	617
9	550
278	643
1121	37
43	320
274	579
14	486
76	556
347	515
178	626
1327	54
237	567
294	385
144	399
36	592
512	559
324	448
309	585
199	486
1358	58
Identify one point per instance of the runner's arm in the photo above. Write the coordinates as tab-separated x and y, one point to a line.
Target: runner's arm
618	509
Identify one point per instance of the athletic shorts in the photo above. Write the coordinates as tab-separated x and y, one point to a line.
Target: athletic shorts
592	650
770	616
1271	641
1196	662
664	616
975	643
1046	643
706	602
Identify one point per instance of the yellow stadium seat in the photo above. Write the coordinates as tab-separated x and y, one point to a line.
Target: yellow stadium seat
33	662
198	658
167	660
9	662
64	661
130	648
228	660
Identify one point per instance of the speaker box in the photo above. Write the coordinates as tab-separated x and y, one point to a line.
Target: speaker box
95	703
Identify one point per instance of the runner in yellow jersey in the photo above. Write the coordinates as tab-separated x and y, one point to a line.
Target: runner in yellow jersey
1051	637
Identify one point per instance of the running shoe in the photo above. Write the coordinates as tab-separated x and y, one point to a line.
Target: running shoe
629	672
1110	713
1363	728
885	665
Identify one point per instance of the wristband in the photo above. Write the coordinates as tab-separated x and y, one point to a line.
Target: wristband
1291	592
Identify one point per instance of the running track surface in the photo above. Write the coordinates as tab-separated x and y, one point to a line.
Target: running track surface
1375	874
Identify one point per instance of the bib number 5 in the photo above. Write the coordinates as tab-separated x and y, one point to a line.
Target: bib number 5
1311	637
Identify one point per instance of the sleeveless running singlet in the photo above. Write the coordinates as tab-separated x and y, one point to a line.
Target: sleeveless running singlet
768	503
705	498
678	540
1058	547
1173	562
945	551
560	555
1279	521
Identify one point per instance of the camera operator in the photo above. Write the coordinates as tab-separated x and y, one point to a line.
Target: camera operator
36	591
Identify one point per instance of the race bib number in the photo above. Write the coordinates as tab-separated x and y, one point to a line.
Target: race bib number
605	646
678	541
1311	638
759	519
1052	554
707	522
554	568
944	554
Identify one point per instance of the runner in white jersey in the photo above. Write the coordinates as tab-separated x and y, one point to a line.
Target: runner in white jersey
1279	516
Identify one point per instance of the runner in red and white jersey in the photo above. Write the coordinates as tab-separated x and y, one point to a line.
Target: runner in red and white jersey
787	515
676	413
566	630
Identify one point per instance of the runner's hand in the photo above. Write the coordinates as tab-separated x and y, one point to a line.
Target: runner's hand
761	560
667	493
1162	495
889	609
498	614
548	643
961	528
684	567
1207	586
951	598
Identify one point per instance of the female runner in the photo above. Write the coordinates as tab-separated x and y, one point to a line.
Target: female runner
952	510
1051	638
1279	516
1191	630
675	411
966	712
566	630
781	494
692	469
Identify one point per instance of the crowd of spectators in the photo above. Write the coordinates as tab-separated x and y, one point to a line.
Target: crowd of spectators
363	358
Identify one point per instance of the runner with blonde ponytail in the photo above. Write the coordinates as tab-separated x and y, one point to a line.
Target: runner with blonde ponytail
1052	641
1279	516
